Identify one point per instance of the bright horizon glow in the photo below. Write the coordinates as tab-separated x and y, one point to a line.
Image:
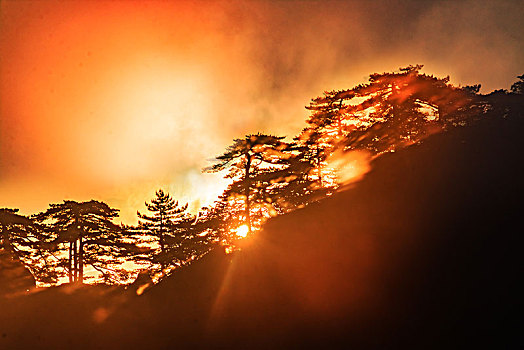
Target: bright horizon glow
241	231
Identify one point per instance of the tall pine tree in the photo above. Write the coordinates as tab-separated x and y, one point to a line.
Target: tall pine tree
250	162
84	234
168	224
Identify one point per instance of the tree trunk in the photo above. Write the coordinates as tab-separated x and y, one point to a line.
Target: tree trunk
75	261
70	262
319	166
6	241
162	243
247	189
80	260
339	122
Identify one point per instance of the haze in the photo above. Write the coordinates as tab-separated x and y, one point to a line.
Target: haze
113	100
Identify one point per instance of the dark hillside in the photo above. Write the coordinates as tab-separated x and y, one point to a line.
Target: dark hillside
425	252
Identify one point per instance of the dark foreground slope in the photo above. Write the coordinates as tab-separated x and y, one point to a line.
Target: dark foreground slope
425	252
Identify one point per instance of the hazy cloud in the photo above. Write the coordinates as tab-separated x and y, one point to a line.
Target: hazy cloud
111	100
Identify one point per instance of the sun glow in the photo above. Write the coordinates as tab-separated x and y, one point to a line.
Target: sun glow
241	231
350	166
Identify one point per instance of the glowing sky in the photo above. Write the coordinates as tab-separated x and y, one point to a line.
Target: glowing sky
112	100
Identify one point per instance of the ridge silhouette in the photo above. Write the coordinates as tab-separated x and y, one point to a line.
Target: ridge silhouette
422	253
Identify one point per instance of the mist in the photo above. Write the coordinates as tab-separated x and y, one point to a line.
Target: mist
112	100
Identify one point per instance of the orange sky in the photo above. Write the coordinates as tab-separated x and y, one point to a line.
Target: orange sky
111	100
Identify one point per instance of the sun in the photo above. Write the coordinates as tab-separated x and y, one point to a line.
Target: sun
241	231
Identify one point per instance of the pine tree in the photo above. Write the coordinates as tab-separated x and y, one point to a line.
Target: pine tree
18	243
518	86
251	163
84	234
391	111
168	225
313	177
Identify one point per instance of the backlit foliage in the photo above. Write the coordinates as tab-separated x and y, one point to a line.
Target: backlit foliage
79	241
83	234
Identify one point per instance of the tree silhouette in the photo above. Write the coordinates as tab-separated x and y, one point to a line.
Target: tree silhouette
311	176
195	237
249	161
393	110
475	89
17	245
518	86
269	176
216	222
508	104
168	224
84	234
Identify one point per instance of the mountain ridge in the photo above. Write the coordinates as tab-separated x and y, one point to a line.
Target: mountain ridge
422	252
